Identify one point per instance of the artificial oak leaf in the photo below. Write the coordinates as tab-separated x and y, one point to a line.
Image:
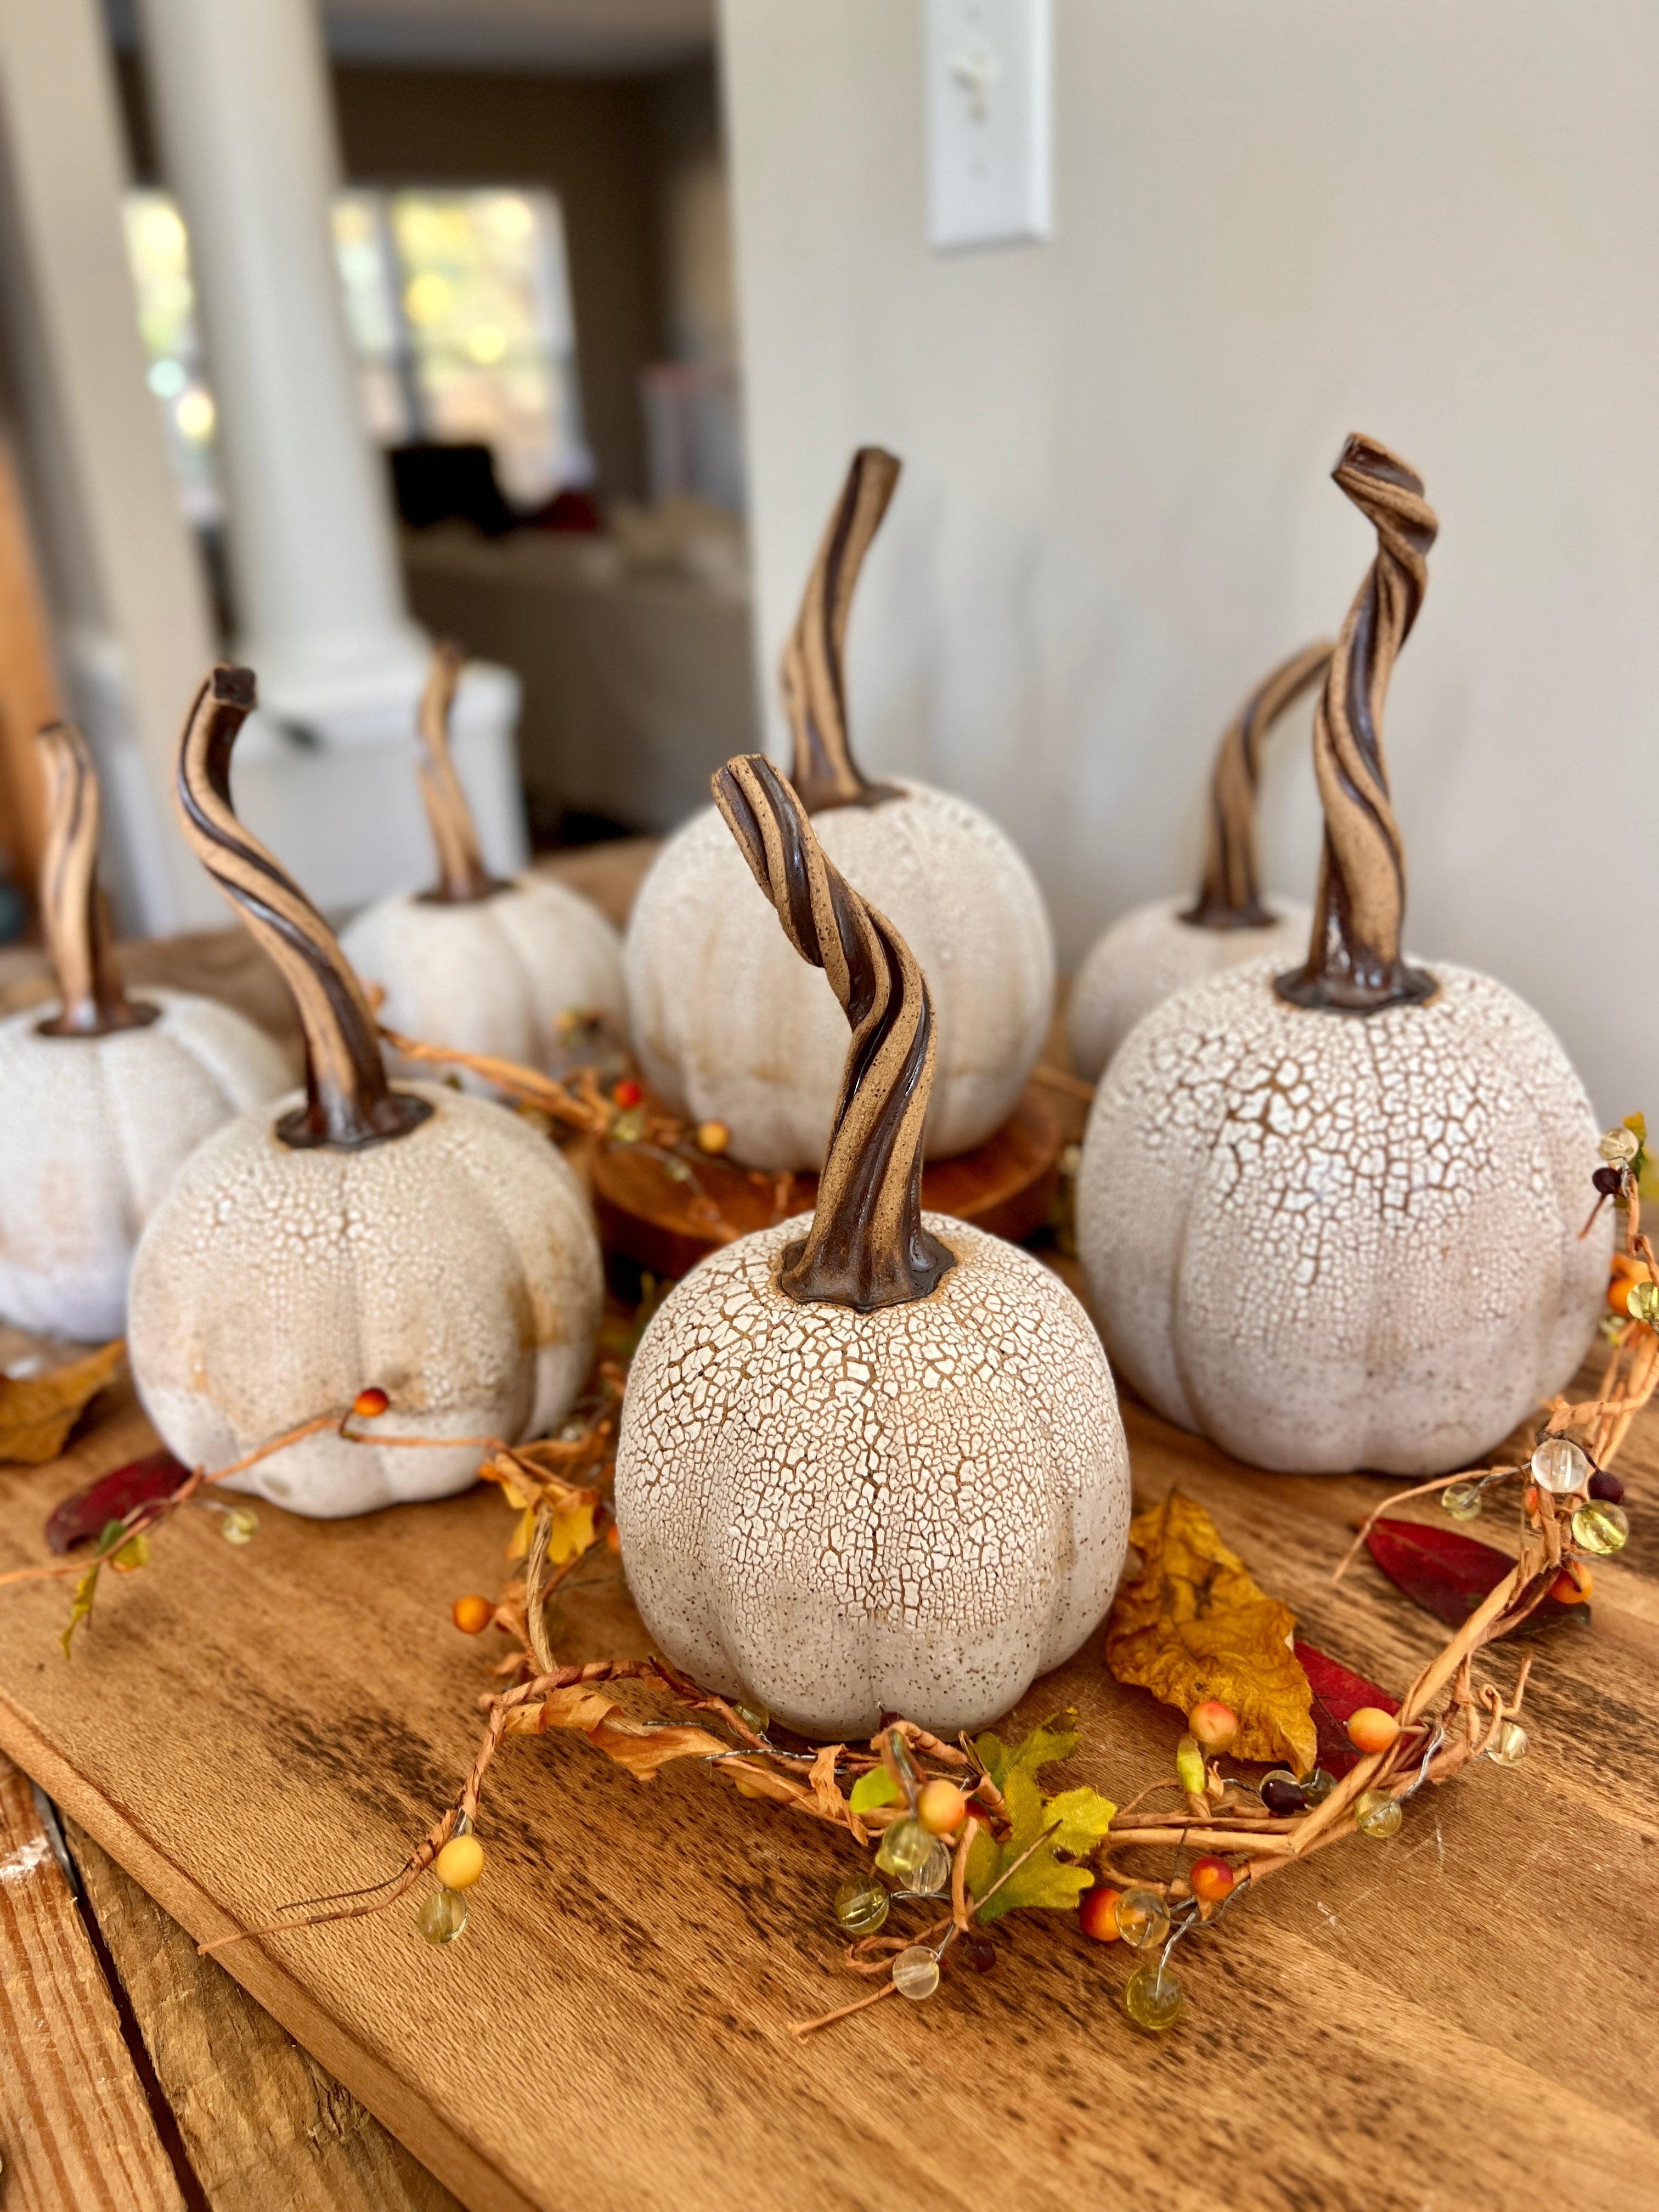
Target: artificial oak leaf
1338	1694
1042	1880
78	1519
1085	1816
643	1749
571	1530
575	1706
524	1534
37	1412
1193	1625
1449	1574
876	1788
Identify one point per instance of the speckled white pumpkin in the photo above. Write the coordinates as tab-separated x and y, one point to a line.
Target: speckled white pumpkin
1330	1241
492	975
456	1268
93	1129
1152	951
730	1024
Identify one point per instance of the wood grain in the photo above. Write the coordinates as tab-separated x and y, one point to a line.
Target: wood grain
1464	2018
76	2132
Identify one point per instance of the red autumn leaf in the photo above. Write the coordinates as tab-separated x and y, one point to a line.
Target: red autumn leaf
1337	1693
1449	1574
86	1515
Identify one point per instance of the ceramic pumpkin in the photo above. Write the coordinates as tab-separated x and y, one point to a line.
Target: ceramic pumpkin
410	1237
871	1458
486	966
729	1026
1330	1216
1160	947
101	1102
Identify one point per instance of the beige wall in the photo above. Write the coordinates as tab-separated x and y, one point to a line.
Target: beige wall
1276	221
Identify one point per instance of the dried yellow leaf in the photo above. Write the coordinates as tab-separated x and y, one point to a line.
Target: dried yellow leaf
571	1531
37	1412
1193	1625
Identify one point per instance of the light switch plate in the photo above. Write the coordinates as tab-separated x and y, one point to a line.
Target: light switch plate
990	121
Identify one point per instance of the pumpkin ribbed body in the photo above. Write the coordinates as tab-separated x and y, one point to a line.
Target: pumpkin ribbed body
731	1026
1150	953
489	976
915	1509
1330	1241
93	1129
456	1267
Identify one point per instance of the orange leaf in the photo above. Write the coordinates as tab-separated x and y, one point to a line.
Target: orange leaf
37	1412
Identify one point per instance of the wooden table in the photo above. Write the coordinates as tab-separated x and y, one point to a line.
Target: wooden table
1462	2017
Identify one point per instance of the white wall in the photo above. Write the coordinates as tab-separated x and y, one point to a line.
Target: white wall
1276	221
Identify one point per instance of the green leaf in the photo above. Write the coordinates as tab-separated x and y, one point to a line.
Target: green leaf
135	1553
876	1788
85	1591
1084	1817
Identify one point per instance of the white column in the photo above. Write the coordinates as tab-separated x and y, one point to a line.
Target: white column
241	102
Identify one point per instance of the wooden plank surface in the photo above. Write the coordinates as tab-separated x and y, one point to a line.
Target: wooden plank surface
1462	2017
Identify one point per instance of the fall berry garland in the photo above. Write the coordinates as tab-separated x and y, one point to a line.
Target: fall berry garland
966	1831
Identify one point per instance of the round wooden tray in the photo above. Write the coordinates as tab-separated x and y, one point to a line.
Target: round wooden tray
1004	1185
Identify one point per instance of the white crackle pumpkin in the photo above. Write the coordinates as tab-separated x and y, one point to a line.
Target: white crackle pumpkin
1159	948
411	1237
870	1460
101	1102
1330	1218
729	1026
485	966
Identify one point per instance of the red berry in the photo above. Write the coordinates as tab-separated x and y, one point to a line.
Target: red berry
1608	1487
369	1405
1212	1880
982	1956
627	1092
1097	1914
1214	1724
473	1615
1371	1730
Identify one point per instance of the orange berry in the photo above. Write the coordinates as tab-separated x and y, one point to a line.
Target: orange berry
627	1092
613	1537
941	1807
1097	1915
1212	1880
369	1405
460	1862
713	1136
1371	1730
1573	1585
1214	1724
473	1615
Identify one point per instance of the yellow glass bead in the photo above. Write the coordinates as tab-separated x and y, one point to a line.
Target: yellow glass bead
713	1137
1599	1527
442	1916
1142	1917
460	1863
1509	1744
754	1715
1319	1785
239	1525
1462	1500
1378	1815
861	1904
916	1972
1189	1766
905	1849
1153	1998
1641	1303
1557	1465
1618	1146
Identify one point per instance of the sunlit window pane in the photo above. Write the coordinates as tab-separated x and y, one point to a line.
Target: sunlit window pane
159	253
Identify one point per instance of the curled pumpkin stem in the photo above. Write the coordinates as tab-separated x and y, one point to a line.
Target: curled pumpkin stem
1229	897
462	877
824	772
1354	963
348	1101
72	907
867	1245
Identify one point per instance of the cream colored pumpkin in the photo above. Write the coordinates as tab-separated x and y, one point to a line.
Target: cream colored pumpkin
1159	948
870	1461
1331	1218
729	1026
486	967
101	1103
413	1238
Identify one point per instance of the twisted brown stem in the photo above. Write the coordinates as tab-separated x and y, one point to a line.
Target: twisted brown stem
462	877
72	909
867	1245
349	1102
1229	897
1354	963
824	773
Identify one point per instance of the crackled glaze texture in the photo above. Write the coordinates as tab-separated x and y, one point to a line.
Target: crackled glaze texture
729	1025
456	1267
1149	954
92	1130
489	976
915	1510
1330	1242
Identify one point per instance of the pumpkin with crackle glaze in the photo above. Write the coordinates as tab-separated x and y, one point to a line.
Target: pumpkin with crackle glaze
410	1237
505	970
1330	1218
102	1102
730	1026
1159	948
870	1460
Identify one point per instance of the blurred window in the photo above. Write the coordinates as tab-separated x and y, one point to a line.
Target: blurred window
459	307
